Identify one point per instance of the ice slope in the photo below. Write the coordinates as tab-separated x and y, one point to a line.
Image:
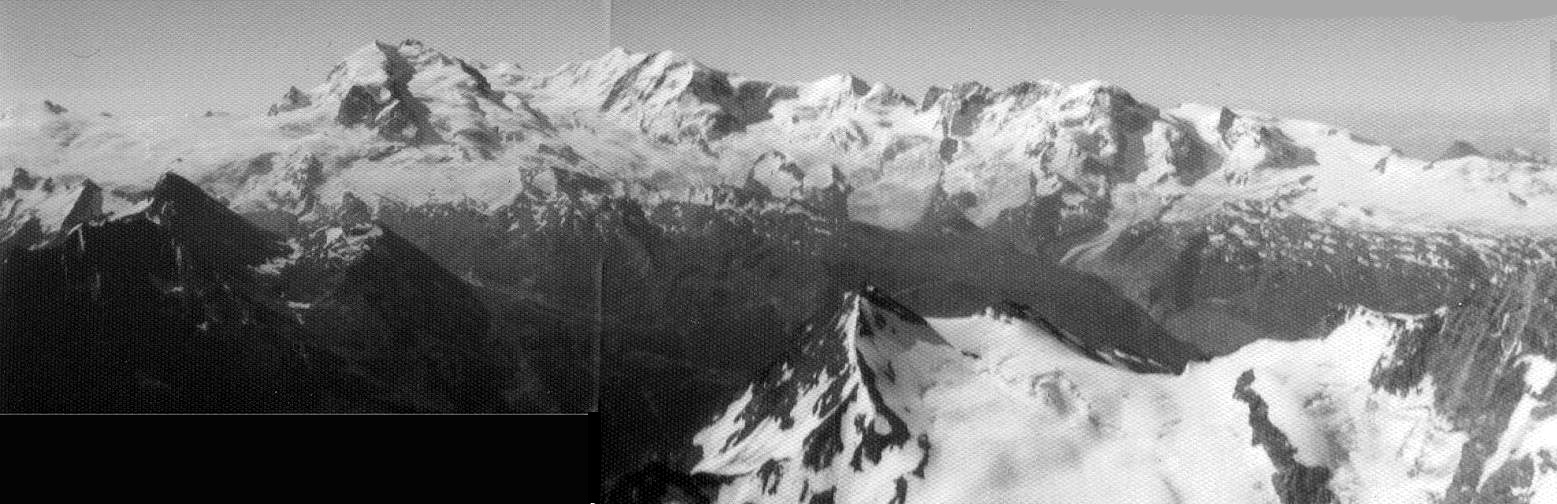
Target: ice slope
1000	407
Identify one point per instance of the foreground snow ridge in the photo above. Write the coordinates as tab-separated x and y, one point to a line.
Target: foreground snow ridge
1002	407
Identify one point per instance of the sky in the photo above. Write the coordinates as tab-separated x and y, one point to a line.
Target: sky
186	57
1477	73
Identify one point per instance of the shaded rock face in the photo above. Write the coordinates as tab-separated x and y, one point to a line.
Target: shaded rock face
1480	354
377	300
293	99
184	306
398	115
116	319
1256	270
358	107
1294	482
481	85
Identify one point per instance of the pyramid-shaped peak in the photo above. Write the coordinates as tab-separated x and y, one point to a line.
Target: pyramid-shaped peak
871	298
208	226
172	187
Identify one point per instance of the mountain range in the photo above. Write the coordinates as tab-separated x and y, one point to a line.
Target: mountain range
699	255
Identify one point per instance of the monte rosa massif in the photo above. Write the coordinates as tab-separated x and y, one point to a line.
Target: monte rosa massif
820	292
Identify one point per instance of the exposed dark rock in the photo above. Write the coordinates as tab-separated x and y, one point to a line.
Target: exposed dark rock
185	306
1472	354
1225	121
562	152
21	179
394	312
353	210
402	116
873	443
293	99
960	117
1294	482
121	298
357	107
948	149
660	484
482	87
1254	271
1459	149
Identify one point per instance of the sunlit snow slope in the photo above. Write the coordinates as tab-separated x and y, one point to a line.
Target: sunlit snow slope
1002	407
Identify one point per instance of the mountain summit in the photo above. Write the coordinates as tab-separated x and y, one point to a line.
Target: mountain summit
645	233
1002	407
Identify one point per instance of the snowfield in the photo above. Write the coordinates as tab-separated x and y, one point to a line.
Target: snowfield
424	126
733	202
996	408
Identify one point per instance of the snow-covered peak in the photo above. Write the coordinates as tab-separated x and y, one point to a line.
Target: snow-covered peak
365	66
380	62
832	86
664	119
998	408
660	75
35	210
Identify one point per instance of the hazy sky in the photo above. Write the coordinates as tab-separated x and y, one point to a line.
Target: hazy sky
1414	82
176	57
